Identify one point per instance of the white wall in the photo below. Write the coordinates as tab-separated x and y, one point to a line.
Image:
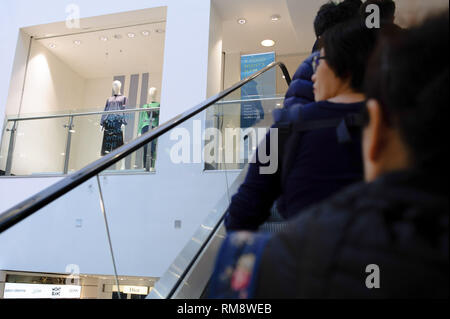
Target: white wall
292	62
232	69
9	32
50	86
14	87
18	189
185	57
215	53
141	212
18	76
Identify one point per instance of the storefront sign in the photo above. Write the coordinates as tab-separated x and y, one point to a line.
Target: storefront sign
32	291
135	290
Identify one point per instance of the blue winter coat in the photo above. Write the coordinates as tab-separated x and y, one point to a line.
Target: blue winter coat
301	88
321	167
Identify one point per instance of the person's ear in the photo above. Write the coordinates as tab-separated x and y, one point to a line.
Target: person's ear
376	130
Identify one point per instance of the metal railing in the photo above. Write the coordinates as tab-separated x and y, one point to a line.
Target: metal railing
26	208
69	128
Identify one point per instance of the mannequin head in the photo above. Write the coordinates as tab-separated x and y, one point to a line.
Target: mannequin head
152	94
117	85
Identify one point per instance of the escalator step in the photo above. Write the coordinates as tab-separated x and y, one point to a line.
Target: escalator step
273	227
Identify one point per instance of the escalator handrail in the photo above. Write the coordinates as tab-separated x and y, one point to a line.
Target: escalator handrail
29	206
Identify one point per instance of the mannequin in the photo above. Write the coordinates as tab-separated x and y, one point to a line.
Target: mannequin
113	124
148	121
117	85
152	94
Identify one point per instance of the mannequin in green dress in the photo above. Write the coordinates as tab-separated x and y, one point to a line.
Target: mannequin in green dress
148	121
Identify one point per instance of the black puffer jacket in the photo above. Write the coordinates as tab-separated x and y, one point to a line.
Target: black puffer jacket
399	223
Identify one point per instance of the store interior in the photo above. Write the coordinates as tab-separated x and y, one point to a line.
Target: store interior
72	72
25	285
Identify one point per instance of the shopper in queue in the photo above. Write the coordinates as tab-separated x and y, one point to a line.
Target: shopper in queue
318	164
387	237
300	90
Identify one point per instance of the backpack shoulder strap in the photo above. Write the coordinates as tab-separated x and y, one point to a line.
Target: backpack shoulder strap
343	125
289	150
289	135
286	122
290	125
284	119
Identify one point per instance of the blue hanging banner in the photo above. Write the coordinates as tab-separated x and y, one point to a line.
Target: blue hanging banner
252	63
265	85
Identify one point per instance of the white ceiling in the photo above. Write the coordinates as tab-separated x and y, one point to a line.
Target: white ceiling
152	15
94	58
291	36
294	33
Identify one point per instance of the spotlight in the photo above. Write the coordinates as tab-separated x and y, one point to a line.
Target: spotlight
268	43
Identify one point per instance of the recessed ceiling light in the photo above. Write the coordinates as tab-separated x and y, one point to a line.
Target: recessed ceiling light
241	21
52	45
160	30
275	17
117	36
77	42
145	33
268	43
131	35
104	39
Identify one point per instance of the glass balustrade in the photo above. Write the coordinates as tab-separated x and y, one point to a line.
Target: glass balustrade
64	143
133	235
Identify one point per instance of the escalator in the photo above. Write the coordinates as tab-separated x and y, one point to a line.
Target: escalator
147	235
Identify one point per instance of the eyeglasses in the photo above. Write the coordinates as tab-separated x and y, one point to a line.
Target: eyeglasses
316	61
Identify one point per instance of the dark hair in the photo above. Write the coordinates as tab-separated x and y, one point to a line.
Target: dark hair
332	13
387	10
348	47
409	76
